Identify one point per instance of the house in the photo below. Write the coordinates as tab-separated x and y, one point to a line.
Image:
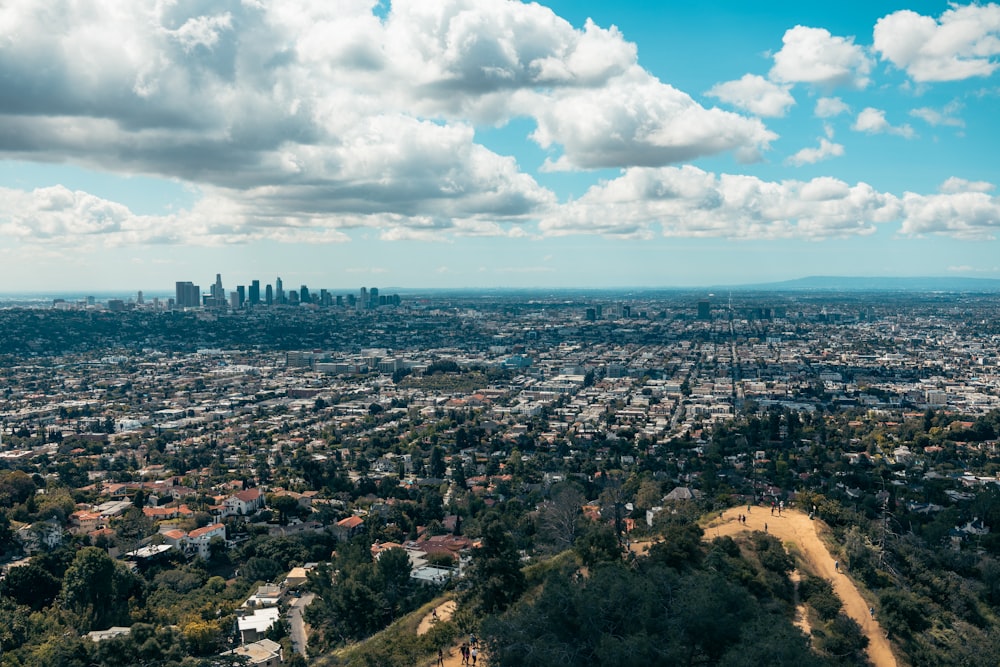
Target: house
347	528
243	503
41	535
176	538
254	626
200	538
85	521
264	653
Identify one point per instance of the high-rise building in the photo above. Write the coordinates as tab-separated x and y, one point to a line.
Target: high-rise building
704	310
254	295
373	297
218	293
187	295
363	299
241	296
268	295
279	292
304	296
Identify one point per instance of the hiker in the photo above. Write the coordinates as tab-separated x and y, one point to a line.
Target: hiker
765	527
475	652
836	565
440	661
871	610
465	653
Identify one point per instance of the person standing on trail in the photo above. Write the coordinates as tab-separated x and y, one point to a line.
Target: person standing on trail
440	661
836	565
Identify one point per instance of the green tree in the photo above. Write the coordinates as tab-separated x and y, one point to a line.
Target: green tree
30	585
97	589
495	571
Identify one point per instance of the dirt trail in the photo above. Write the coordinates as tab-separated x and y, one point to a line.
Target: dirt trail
444	612
452	656
795	526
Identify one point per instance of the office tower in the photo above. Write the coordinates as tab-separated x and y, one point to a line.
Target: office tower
218	293
304	296
363	299
373	297
241	296
279	292
187	295
254	292
138	298
268	295
704	310
340	301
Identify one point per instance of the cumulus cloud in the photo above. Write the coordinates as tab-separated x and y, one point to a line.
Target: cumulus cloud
637	120
828	107
826	149
323	115
689	202
973	215
754	94
872	121
813	55
961	44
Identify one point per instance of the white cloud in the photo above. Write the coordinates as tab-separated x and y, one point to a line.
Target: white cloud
689	202
959	45
637	120
754	94
813	55
323	116
826	149
966	215
939	117
828	107
955	185
872	121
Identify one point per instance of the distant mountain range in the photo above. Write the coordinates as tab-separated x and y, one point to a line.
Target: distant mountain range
875	284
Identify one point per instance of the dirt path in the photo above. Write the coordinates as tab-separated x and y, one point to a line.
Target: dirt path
444	612
794	526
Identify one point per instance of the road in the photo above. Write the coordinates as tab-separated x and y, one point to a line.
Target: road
795	526
297	625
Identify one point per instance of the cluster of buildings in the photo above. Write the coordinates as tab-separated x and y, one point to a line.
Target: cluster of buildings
563	386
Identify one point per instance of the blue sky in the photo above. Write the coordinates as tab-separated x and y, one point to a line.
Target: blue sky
468	143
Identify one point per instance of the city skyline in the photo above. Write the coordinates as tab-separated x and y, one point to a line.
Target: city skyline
494	144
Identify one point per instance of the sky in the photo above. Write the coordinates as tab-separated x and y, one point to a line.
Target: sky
492	143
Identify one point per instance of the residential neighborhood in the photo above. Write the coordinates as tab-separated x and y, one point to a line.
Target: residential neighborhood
200	457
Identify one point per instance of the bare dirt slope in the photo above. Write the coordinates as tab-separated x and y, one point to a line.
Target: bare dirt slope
794	526
444	612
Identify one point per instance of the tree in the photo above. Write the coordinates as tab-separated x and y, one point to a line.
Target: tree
495	572
558	517
437	466
598	544
286	506
393	570
30	585
97	589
